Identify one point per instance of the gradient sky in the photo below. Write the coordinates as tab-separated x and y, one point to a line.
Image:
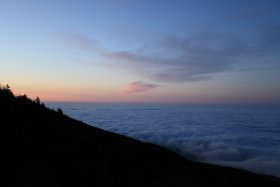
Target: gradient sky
187	51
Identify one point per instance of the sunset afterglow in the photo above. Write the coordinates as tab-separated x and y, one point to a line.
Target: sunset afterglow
142	51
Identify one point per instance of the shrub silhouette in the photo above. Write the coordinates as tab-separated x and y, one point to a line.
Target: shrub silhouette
59	110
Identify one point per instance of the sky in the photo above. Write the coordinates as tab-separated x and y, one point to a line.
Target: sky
179	51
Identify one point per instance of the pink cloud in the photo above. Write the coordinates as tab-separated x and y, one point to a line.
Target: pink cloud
139	87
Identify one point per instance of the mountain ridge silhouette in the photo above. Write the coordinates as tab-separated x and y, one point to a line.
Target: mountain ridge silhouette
43	147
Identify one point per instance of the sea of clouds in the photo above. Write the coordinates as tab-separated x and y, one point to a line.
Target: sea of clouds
238	136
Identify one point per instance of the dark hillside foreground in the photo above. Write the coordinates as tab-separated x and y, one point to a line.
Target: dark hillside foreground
42	147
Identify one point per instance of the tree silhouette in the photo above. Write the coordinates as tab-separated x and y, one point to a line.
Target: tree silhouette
37	101
6	91
23	98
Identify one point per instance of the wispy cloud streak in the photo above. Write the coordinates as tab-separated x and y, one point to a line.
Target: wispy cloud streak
139	86
195	57
78	41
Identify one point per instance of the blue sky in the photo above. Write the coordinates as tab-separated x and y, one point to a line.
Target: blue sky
142	51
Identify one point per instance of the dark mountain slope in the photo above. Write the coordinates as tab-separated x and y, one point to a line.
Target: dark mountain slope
41	147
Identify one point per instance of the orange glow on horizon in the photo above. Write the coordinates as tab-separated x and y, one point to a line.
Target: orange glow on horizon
159	95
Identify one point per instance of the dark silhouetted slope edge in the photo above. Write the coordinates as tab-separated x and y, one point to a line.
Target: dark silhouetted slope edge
41	147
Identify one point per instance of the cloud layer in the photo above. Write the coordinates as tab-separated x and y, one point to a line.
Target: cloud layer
233	135
139	86
194	57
